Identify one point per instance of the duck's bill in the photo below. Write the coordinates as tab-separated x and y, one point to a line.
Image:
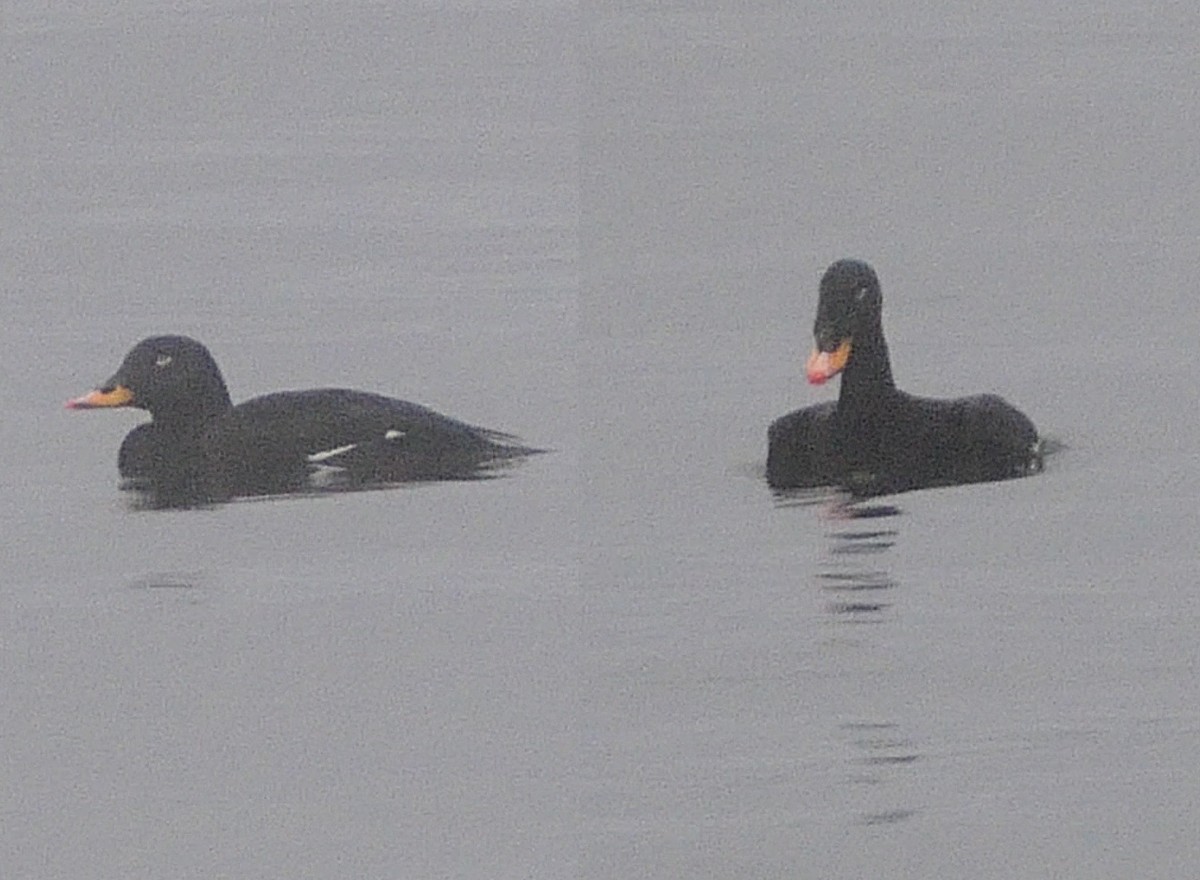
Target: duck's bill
118	395
824	365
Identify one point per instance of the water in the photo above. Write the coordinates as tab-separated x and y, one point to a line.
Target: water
376	684
627	658
994	679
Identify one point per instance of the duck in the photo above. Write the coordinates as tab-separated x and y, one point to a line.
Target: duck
876	439
198	445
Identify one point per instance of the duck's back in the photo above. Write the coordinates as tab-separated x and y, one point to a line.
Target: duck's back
985	438
901	442
269	443
912	442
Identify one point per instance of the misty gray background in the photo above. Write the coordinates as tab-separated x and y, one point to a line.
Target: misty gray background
376	196
602	229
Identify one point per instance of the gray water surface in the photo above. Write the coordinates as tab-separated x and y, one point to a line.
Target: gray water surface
626	658
995	680
376	684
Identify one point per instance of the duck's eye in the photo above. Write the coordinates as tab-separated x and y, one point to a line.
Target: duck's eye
162	360
861	293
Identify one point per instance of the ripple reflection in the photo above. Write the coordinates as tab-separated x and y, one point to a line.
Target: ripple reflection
855	576
857	589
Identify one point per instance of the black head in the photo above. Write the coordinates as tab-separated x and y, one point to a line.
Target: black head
849	309
170	376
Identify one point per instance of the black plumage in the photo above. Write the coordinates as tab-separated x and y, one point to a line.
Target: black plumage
199	445
877	439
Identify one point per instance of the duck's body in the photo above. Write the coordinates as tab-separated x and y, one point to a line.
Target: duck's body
877	439
199	443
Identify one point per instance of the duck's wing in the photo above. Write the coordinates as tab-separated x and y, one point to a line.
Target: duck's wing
801	452
368	436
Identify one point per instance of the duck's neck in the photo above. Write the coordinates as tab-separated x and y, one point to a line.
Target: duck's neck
192	414
868	375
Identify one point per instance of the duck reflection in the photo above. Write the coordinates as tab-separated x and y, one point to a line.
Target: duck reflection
858	588
854	574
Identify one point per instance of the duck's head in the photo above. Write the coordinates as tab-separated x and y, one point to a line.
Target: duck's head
165	375
849	309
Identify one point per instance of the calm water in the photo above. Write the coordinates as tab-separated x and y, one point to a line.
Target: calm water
994	681
371	685
625	659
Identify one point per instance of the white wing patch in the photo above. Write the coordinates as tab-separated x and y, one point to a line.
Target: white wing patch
326	454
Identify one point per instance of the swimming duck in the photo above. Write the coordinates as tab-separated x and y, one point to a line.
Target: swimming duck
198	444
876	439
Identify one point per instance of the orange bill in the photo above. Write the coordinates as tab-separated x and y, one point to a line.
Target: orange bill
824	365
101	397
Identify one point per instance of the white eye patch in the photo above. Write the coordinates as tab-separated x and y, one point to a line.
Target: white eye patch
162	360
